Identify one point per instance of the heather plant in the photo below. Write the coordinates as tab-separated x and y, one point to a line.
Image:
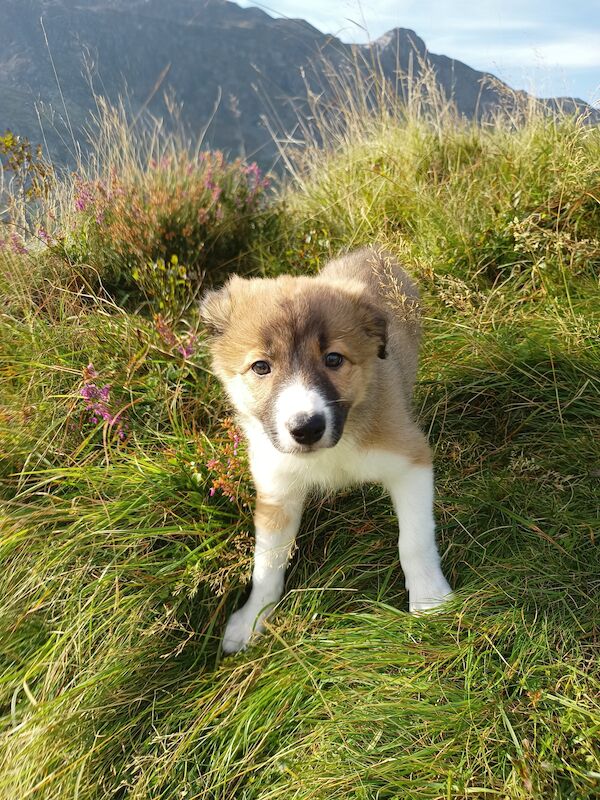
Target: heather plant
179	222
97	402
12	242
227	465
184	344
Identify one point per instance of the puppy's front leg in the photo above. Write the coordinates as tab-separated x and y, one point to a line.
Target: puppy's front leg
412	495
276	525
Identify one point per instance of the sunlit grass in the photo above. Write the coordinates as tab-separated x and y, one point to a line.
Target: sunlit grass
118	568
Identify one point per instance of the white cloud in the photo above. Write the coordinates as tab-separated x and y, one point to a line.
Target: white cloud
485	26
582	50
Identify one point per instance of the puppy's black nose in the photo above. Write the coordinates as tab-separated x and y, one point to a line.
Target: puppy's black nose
307	428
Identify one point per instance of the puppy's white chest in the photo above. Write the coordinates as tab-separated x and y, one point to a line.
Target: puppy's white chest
325	469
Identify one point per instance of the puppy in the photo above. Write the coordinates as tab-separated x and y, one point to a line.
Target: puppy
321	372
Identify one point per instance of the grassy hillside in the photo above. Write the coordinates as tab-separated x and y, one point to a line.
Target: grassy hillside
126	503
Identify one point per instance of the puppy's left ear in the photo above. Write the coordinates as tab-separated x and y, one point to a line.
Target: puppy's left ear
377	327
215	310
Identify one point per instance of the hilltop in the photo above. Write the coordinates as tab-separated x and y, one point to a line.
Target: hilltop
239	76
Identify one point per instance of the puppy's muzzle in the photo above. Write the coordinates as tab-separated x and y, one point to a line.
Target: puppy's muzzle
307	429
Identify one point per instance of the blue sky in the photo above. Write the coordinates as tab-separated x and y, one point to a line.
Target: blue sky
548	47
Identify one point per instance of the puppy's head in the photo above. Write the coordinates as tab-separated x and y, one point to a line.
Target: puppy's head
294	354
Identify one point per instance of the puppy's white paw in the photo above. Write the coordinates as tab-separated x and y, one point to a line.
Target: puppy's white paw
429	593
242	625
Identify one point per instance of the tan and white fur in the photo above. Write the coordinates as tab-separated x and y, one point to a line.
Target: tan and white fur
321	372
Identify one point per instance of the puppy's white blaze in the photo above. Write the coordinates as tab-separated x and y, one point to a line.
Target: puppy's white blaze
294	399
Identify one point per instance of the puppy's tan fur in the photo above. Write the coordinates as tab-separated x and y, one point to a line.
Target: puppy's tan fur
364	307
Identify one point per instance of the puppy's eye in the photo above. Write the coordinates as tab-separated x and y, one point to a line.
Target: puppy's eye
334	360
261	367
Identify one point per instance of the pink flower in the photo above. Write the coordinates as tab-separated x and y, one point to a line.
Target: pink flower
97	401
189	347
85	195
17	245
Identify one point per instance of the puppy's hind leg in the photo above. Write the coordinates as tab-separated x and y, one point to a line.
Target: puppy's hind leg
412	495
276	526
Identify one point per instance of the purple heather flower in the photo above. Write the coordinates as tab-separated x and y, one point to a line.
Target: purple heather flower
97	401
252	170
85	195
189	347
17	245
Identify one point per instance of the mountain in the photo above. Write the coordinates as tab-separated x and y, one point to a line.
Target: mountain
239	75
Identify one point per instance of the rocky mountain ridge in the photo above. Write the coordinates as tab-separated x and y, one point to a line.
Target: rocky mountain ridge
229	68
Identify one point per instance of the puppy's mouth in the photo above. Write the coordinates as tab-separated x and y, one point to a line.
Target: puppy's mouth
306	449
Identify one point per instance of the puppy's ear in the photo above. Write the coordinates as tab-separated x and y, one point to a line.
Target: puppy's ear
376	326
215	310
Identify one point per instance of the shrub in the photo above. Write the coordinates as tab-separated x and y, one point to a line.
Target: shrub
171	226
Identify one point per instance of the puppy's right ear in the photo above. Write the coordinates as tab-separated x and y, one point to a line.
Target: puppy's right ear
215	310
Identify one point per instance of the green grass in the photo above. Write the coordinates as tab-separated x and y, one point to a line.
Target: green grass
118	569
